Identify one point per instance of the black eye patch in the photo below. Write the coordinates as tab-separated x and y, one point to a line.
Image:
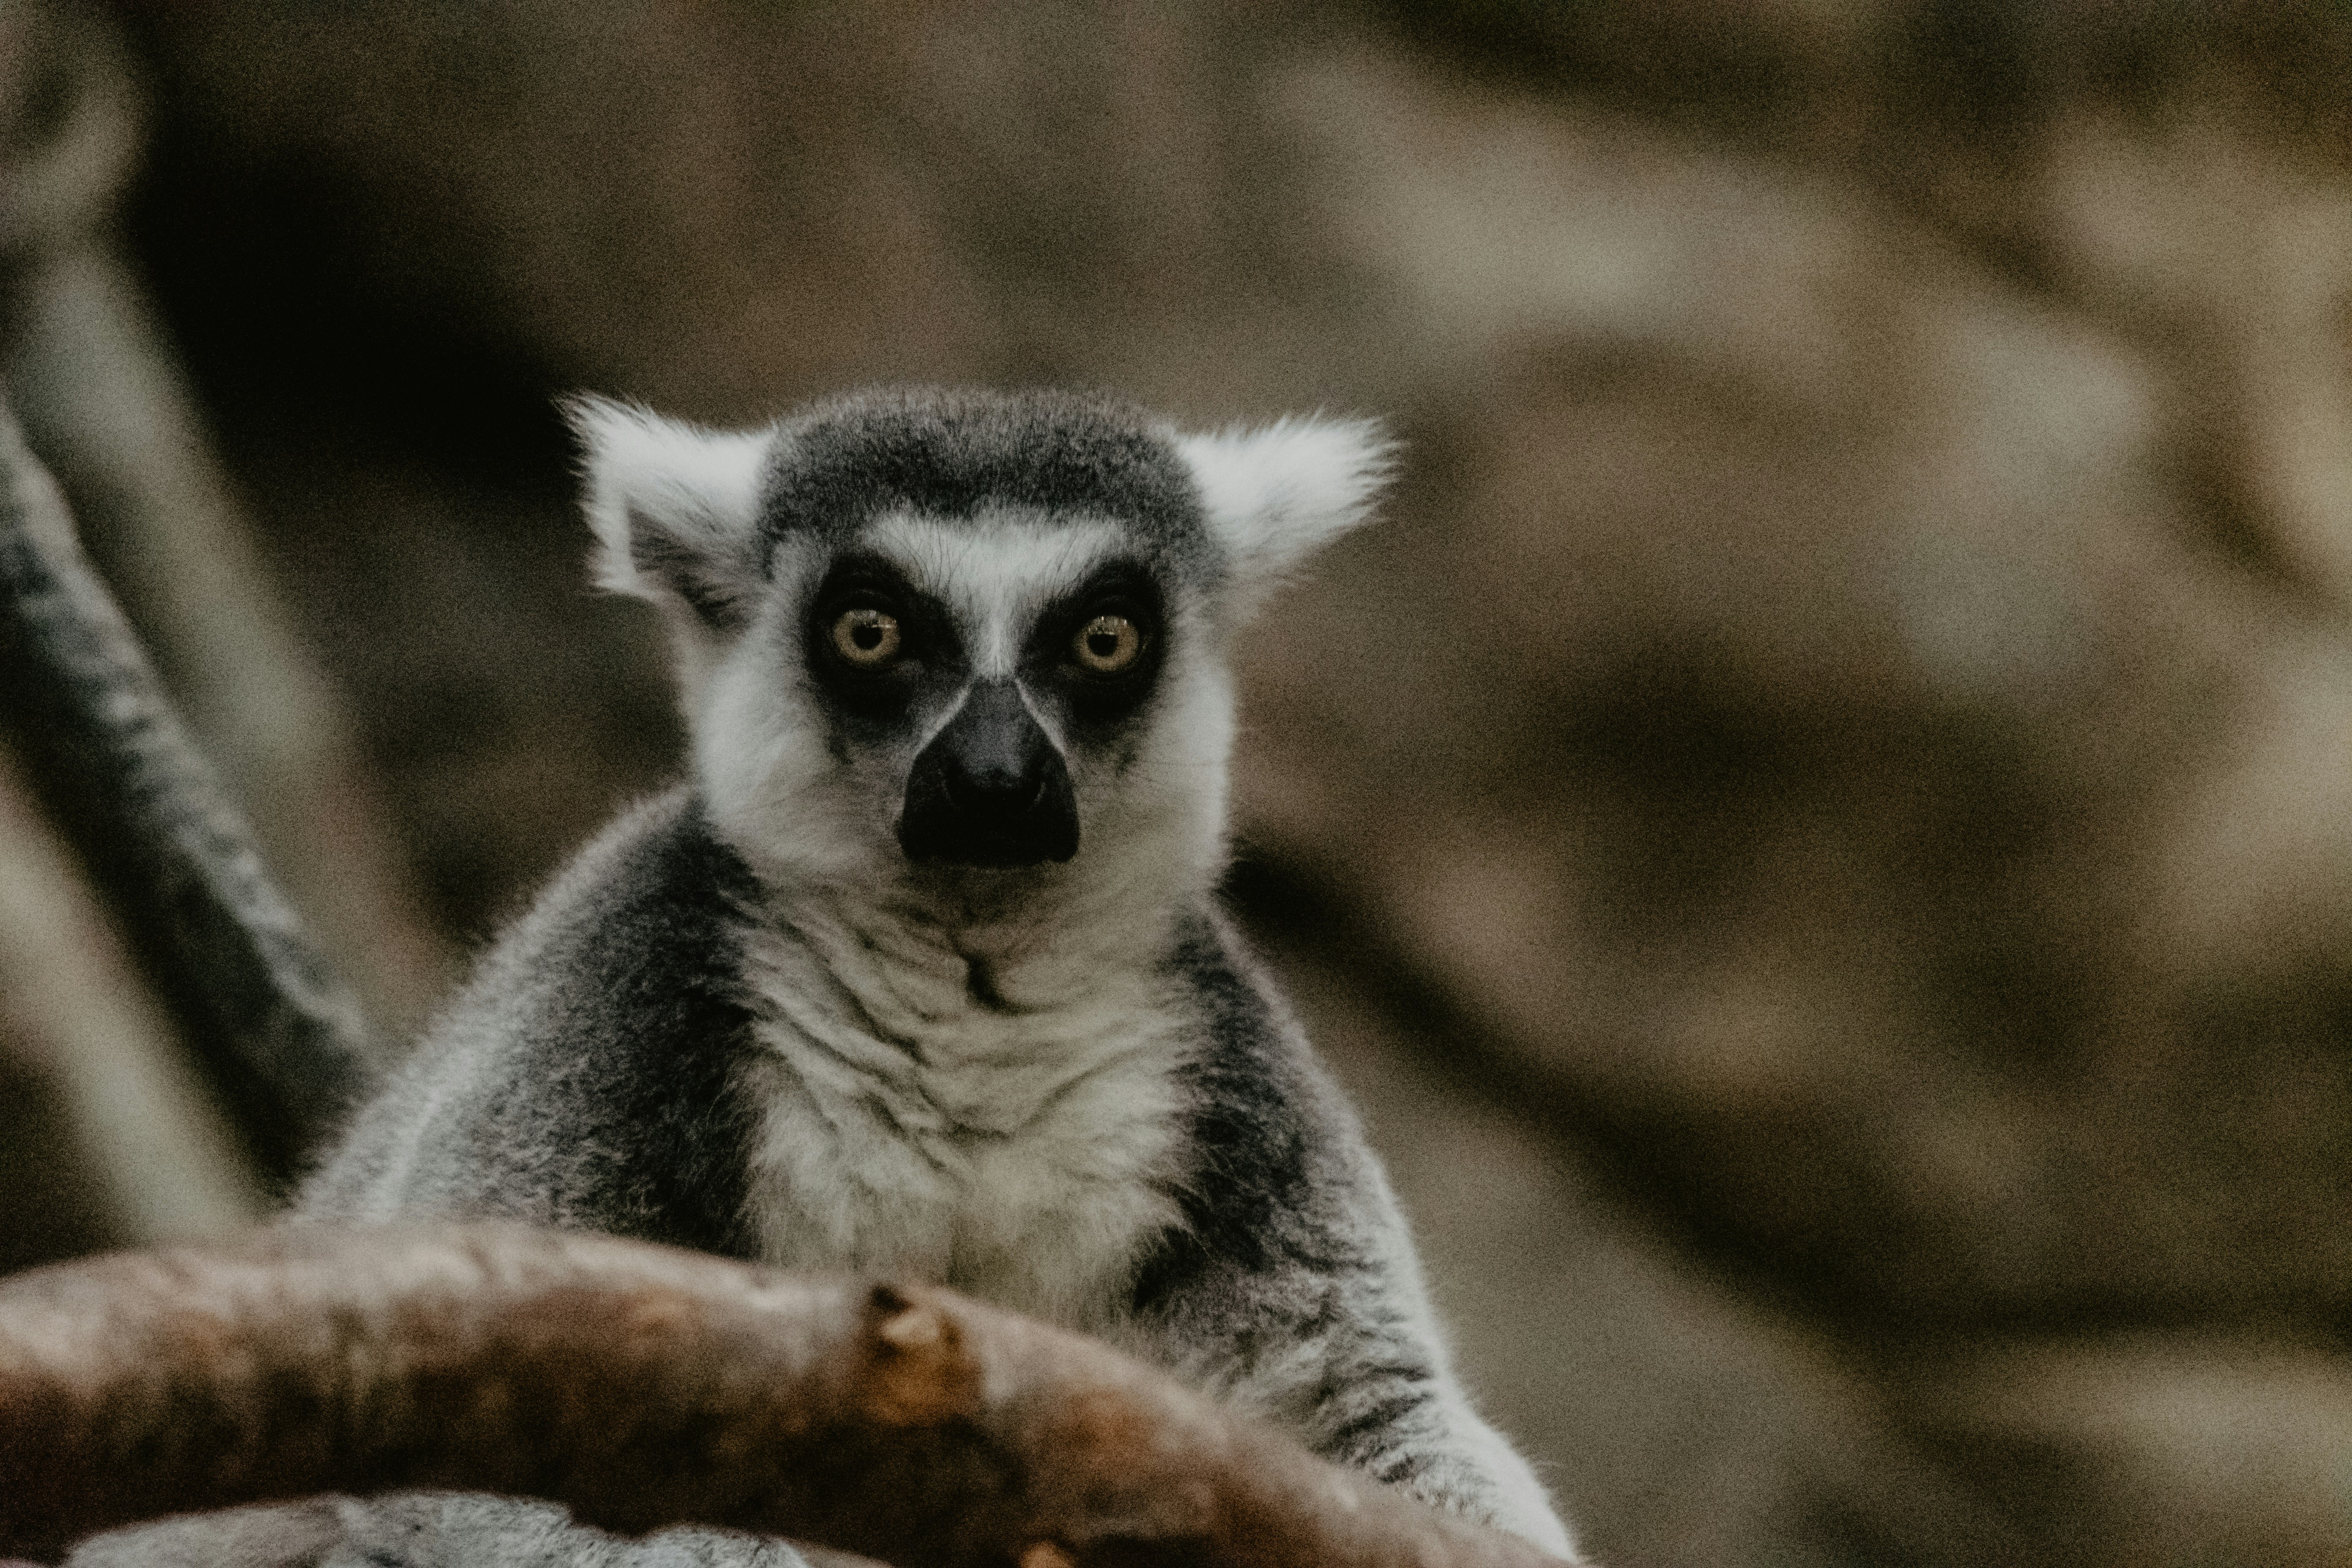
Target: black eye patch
1120	590
844	631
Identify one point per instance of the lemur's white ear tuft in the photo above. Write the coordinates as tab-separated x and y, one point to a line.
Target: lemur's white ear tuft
676	508
1277	494
1285	490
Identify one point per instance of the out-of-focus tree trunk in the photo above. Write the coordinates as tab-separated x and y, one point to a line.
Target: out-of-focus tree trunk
111	1140
101	397
282	1038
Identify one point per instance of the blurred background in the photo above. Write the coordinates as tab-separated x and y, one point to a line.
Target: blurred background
1819	826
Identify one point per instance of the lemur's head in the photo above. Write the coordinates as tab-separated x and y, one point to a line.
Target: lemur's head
961	638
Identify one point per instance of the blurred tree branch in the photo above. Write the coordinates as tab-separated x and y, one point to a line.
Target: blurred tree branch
110	1139
101	395
105	750
176	859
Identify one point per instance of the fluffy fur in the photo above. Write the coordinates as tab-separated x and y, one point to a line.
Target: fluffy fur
744	1019
1276	495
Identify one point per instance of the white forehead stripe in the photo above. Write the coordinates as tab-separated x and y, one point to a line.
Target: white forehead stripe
993	573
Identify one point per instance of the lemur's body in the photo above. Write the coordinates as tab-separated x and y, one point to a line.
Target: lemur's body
923	974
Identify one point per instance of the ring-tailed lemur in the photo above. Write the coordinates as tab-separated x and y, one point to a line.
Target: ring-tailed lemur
924	975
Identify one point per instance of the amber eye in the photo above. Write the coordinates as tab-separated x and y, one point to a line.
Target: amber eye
1108	643
865	636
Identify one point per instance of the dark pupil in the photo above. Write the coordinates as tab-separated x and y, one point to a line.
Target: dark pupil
1102	644
866	635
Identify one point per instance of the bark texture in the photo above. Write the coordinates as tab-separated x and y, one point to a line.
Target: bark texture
646	1388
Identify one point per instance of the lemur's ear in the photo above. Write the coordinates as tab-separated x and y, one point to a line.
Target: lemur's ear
675	507
1277	494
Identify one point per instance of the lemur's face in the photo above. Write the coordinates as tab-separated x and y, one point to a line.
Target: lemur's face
962	635
1007	656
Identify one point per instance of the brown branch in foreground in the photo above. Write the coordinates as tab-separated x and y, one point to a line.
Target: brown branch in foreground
646	1388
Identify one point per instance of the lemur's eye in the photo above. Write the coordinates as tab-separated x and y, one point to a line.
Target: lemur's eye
1108	643
866	636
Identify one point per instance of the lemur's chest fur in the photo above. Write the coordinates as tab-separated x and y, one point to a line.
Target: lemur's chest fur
1009	1130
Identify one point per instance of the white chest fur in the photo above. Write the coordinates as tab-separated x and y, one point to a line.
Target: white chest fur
1002	1127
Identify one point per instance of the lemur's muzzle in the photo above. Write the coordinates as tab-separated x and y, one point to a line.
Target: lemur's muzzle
990	789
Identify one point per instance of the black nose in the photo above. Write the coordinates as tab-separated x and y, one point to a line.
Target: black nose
990	789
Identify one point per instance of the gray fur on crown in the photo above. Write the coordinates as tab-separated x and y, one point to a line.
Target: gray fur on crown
945	451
